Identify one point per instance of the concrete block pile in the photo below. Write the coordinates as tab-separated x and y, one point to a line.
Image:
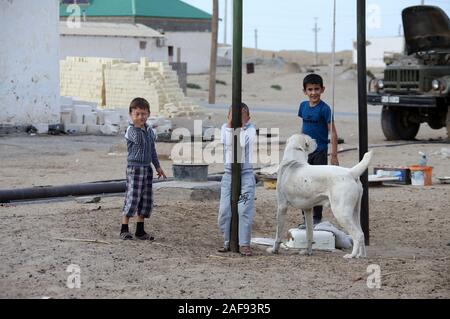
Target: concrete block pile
81	117
113	83
83	78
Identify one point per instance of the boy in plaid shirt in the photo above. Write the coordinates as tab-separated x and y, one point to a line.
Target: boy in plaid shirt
141	152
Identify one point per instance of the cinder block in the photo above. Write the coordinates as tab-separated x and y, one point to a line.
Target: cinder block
94	129
75	128
42	128
66	101
109	129
66	116
90	118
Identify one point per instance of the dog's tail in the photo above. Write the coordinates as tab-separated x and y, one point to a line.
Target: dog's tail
359	168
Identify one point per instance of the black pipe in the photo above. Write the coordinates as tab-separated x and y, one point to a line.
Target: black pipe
85	189
8	195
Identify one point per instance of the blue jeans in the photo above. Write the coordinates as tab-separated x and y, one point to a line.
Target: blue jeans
246	207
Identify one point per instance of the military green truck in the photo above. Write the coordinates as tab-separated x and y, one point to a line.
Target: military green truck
416	87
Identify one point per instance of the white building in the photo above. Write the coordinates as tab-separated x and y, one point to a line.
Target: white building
29	62
195	48
186	28
112	40
377	48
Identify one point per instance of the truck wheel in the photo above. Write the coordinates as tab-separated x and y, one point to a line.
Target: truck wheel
397	125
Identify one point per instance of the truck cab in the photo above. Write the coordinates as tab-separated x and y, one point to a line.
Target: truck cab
415	88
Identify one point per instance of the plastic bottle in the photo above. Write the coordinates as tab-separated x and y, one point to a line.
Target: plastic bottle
423	159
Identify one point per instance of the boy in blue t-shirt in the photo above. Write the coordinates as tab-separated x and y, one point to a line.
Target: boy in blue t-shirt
316	115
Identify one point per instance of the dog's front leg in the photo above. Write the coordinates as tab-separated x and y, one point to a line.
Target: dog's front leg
309	231
281	218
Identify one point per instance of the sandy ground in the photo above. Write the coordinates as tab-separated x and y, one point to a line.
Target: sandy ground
409	225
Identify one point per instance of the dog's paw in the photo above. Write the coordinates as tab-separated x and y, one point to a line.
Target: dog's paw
349	256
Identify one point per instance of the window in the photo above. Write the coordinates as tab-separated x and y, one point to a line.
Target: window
142	45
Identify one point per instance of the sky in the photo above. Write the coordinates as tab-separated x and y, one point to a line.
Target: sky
289	24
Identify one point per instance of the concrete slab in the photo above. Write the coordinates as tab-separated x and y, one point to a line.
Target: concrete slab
180	190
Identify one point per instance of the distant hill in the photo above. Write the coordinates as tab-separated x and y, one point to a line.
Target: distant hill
301	57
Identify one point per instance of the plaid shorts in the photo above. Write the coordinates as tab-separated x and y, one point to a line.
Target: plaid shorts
139	197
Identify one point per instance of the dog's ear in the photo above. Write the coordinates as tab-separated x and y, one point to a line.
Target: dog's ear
310	144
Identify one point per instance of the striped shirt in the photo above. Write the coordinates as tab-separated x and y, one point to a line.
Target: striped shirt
141	146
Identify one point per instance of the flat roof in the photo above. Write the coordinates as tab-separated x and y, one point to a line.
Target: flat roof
108	29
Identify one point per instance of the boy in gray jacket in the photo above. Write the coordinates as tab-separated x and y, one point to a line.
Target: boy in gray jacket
141	152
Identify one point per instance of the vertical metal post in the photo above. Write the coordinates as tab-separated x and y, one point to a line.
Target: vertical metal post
362	110
316	54
236	121
256	43
225	23
178	55
213	57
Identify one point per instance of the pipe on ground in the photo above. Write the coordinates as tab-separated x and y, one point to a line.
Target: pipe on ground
85	189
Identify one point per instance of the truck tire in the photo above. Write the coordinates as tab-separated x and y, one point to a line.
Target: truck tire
396	124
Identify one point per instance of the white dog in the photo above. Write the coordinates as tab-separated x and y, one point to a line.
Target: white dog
304	186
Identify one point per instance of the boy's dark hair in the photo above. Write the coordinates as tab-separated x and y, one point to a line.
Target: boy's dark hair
245	108
139	103
312	79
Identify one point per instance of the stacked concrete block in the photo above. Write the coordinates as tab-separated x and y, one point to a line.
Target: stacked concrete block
82	78
112	84
79	112
72	128
66	116
124	82
90	118
94	129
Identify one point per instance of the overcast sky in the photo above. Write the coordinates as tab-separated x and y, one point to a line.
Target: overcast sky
288	24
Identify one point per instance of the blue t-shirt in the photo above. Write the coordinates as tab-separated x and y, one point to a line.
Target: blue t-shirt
315	122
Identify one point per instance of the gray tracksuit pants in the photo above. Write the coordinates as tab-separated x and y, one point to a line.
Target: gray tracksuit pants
245	207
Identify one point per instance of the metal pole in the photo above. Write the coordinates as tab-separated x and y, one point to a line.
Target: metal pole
362	111
316	30
333	58
225	23
256	43
213	57
236	112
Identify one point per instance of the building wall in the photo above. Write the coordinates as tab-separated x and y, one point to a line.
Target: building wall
195	49
29	62
112	47
377	47
191	35
176	25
